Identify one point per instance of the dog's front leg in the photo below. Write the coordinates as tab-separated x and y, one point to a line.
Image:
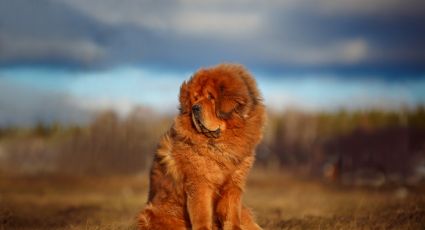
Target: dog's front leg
229	207
199	206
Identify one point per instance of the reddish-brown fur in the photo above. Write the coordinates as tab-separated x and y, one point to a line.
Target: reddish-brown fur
202	162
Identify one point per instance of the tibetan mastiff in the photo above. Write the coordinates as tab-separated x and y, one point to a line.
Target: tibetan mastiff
201	164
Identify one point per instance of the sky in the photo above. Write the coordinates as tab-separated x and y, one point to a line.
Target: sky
63	60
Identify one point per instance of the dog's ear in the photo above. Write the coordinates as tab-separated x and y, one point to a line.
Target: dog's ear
184	98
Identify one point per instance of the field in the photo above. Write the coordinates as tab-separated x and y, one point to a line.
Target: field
279	201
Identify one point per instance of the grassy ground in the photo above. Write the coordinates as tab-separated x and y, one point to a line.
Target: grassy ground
279	201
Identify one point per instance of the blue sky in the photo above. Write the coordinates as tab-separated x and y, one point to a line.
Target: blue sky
64	60
47	94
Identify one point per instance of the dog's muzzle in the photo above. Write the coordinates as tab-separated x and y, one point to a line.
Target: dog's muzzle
197	121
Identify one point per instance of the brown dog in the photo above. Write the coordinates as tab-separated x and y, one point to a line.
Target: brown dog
202	162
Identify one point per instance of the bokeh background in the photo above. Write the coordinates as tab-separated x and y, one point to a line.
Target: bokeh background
88	87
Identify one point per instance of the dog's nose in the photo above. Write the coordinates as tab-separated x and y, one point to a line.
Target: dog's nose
196	108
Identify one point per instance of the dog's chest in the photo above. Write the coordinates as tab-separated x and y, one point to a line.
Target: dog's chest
211	163
220	162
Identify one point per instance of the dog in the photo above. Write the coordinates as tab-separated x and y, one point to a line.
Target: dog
201	164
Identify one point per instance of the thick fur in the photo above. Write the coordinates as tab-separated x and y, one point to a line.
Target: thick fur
201	164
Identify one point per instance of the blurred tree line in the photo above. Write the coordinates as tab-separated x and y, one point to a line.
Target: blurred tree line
372	146
352	147
108	145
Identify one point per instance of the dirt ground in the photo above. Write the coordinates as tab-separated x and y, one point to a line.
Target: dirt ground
278	200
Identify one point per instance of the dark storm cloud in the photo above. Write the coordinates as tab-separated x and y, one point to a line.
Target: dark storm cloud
357	35
47	31
389	40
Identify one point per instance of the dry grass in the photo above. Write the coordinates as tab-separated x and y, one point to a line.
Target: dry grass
284	203
279	201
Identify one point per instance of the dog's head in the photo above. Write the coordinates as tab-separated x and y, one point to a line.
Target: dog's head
218	99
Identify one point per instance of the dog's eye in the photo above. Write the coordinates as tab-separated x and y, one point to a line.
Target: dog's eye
210	96
196	97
